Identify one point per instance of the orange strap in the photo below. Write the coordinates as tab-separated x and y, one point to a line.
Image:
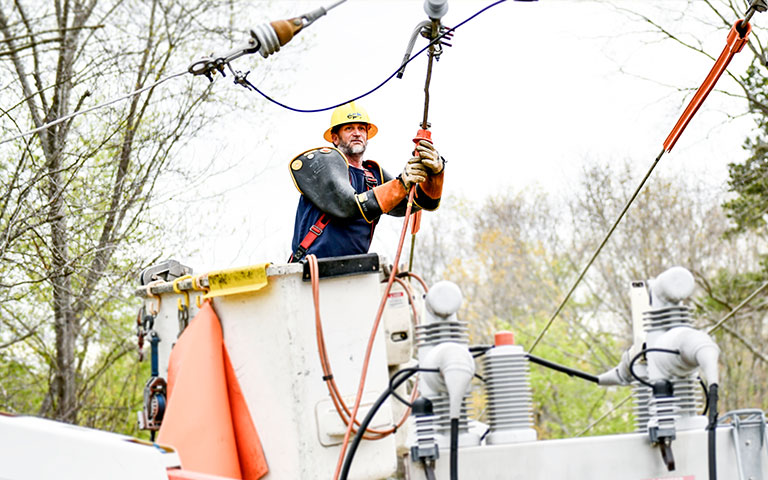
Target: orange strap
314	231
734	44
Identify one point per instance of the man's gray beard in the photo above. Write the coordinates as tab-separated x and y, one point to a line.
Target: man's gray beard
348	149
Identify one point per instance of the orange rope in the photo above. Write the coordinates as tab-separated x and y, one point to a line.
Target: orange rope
333	390
409	292
420	280
372	337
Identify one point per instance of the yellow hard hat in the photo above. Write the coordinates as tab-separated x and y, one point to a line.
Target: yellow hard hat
350	113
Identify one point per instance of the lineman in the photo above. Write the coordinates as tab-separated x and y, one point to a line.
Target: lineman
343	195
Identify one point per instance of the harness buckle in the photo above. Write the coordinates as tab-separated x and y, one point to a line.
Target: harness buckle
316	230
297	255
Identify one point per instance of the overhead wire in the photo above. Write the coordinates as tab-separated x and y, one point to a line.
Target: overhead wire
604	416
95	107
735	41
597	251
267	97
436	40
738	307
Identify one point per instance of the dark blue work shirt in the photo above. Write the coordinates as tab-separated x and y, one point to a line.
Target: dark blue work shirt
340	237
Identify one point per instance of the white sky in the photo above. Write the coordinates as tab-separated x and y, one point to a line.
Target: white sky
528	95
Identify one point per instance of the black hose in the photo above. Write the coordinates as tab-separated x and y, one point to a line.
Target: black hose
428	470
706	397
712	427
640	354
393	379
401	378
563	369
479	350
454	449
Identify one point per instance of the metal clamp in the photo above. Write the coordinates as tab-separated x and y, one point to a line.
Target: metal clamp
748	440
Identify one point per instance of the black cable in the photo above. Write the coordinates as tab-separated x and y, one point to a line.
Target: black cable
401	399
596	252
706	396
712	427
428	471
563	369
640	354
437	39
369	417
479	350
454	449
400	372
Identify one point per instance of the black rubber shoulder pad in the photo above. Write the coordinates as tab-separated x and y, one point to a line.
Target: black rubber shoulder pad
322	175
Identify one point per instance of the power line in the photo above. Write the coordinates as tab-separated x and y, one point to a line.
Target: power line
399	68
300	110
738	307
95	107
604	416
597	252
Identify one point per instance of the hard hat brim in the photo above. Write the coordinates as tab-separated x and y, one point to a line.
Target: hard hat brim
372	130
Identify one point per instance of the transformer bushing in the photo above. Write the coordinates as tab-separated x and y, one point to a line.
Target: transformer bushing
687	398
426	447
642	399
509	399
441	325
681	411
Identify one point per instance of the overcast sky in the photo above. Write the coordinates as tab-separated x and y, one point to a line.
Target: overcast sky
527	96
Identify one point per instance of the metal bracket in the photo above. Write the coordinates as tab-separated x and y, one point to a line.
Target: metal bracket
166	271
663	439
342	266
748	441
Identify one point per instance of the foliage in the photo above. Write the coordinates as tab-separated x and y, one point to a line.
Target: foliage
75	196
516	256
749	179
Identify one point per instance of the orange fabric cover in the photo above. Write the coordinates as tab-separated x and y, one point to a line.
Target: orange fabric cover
389	194
177	474
207	420
253	465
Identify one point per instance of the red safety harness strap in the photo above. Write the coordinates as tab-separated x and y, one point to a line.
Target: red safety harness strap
734	44
314	231
370	179
317	229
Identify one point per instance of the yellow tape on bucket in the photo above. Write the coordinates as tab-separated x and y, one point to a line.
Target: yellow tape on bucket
237	280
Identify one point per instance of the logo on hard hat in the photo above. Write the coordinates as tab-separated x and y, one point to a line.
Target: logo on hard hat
354	116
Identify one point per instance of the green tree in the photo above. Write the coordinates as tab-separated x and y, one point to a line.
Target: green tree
726	286
524	250
75	197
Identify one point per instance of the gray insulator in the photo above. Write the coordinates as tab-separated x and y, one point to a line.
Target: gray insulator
267	37
509	398
671	287
435	333
665	410
426	441
443	300
663	319
684	404
687	401
642	396
435	9
443	420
